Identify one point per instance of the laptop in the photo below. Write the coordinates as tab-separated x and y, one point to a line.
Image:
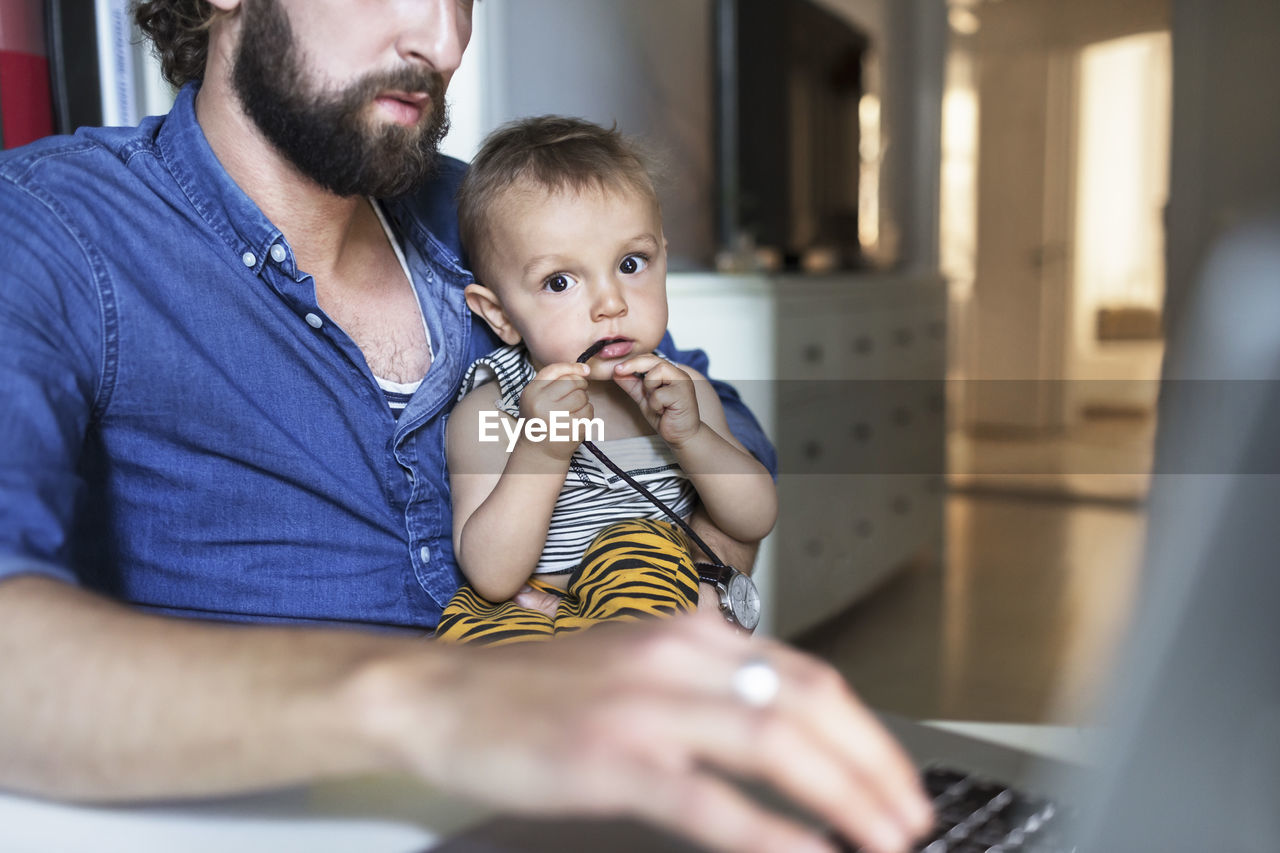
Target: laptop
1193	757
1192	750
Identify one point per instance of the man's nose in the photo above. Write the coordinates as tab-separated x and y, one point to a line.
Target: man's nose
608	300
435	33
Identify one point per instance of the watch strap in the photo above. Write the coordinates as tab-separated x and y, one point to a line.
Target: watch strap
716	575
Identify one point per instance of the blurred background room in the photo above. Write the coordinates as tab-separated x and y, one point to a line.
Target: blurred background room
935	243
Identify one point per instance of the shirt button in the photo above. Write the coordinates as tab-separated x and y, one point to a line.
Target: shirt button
424	554
249	259
278	253
314	321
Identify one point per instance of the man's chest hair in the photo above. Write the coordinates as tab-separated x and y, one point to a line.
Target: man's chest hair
394	347
385	322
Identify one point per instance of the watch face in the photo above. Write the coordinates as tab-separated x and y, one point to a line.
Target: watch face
744	601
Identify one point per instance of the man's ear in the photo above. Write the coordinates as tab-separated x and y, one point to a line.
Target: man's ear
483	301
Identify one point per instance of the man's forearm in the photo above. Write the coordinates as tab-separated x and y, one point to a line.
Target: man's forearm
103	703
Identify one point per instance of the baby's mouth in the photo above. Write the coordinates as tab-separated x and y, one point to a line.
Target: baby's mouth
608	349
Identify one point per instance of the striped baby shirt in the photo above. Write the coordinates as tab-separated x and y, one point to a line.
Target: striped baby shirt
593	497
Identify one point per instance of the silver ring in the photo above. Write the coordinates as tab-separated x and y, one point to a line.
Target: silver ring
756	683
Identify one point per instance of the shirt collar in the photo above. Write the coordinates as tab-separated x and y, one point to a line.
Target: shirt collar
224	206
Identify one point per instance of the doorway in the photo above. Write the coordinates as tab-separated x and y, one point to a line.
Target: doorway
1055	176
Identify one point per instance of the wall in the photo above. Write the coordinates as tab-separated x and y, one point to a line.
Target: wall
868	15
1044	24
909	43
915	61
649	66
646	66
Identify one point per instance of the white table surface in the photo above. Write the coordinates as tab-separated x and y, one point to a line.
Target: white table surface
370	815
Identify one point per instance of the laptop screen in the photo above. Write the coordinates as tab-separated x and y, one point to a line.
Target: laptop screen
1193	761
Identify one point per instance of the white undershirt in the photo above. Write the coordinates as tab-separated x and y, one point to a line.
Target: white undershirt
386	384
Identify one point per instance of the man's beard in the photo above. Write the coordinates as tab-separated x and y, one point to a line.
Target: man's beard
325	135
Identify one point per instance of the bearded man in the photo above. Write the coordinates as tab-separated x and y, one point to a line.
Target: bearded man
229	341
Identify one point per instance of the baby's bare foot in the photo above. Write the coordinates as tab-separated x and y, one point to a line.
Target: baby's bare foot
535	599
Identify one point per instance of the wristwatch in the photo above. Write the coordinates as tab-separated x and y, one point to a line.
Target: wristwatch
739	598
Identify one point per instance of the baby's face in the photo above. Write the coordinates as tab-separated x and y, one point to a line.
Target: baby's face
572	269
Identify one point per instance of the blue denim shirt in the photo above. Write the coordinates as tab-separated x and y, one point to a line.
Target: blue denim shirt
176	434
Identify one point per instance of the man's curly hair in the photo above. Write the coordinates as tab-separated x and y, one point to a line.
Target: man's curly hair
179	33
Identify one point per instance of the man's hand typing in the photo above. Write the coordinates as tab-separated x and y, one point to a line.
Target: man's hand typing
643	721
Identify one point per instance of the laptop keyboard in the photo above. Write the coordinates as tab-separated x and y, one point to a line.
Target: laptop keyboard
976	815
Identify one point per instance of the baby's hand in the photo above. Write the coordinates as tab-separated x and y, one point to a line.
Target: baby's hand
560	387
664	394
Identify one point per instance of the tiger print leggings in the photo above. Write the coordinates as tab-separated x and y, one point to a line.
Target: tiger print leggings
632	570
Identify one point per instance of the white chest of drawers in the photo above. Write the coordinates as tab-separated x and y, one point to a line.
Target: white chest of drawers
845	372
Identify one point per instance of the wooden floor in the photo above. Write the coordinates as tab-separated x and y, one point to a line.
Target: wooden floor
1104	459
1015	625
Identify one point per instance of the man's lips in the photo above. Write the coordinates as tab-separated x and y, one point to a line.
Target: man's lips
410	97
404	107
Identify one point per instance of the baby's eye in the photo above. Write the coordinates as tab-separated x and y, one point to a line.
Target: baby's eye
633	264
558	283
